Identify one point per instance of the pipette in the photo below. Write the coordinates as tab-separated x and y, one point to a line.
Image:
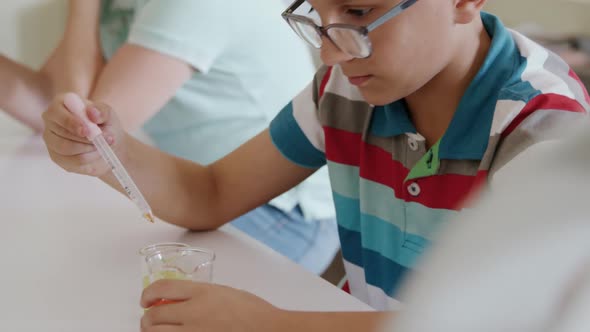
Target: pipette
75	105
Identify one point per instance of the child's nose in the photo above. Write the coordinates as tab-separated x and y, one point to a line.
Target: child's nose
331	55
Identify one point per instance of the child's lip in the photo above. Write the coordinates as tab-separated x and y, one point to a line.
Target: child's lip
359	80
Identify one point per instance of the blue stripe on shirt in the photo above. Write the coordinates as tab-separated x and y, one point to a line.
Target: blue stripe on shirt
378	234
290	140
380	271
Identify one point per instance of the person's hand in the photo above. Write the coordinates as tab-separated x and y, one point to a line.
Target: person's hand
194	307
65	135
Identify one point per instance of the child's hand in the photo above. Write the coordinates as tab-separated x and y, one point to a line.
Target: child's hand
205	307
65	137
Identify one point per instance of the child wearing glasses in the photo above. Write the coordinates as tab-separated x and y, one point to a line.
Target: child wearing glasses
421	103
200	80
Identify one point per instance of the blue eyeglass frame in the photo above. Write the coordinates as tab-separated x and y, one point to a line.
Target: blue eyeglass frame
362	30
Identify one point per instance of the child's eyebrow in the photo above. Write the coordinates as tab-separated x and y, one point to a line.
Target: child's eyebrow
343	2
340	2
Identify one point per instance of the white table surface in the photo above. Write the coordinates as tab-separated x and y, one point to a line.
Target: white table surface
69	252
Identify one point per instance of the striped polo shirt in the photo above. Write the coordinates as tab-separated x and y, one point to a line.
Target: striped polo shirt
391	192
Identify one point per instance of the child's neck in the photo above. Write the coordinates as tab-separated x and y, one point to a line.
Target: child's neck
432	107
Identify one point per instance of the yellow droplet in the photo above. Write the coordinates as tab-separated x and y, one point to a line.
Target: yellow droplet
149	217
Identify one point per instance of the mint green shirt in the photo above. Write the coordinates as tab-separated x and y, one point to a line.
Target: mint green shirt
248	65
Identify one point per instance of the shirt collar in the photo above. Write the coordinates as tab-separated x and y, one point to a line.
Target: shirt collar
468	133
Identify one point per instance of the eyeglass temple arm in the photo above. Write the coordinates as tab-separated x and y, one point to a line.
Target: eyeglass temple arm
294	6
393	12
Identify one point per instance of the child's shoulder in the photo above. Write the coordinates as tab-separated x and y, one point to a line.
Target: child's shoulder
543	100
542	85
538	71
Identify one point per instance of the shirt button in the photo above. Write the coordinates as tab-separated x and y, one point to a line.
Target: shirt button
413	144
414	189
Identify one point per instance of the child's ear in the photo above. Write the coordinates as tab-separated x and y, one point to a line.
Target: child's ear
467	10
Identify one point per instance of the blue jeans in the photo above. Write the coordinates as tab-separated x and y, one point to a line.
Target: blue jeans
312	244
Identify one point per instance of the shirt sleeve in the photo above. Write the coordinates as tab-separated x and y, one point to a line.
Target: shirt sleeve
192	31
545	119
296	131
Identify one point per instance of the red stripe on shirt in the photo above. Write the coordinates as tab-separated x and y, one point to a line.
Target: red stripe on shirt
346	287
325	81
447	191
342	146
480	182
549	101
378	166
573	75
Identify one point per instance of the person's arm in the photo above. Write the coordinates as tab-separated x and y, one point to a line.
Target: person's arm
294	321
200	198
73	66
138	82
77	61
167	43
210	307
24	93
179	191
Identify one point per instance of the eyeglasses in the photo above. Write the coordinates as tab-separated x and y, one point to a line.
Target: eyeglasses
350	39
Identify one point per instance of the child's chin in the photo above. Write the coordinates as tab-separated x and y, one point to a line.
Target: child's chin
377	98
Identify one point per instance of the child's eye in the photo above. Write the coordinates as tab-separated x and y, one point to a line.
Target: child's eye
358	12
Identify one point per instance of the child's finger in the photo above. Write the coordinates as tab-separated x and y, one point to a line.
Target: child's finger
65	146
99	113
64	133
169	314
59	115
175	290
87	163
163	302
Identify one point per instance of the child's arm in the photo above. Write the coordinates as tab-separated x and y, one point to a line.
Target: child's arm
293	321
168	41
179	191
25	93
201	198
77	61
138	82
73	66
215	308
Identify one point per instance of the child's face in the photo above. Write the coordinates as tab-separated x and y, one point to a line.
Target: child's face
408	50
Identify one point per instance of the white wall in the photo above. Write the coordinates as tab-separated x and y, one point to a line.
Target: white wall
31	28
558	16
29	31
